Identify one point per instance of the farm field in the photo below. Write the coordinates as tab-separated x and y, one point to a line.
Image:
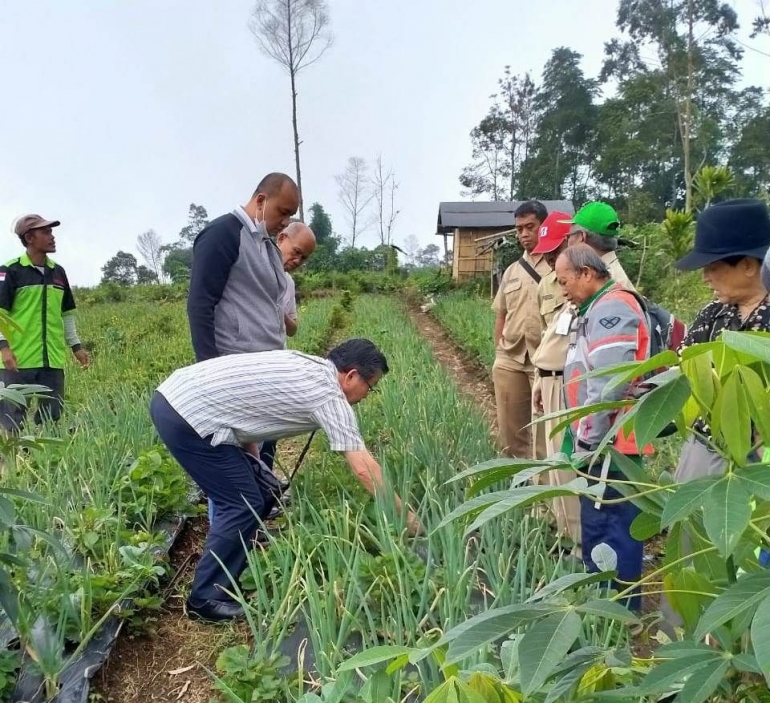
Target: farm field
341	604
105	485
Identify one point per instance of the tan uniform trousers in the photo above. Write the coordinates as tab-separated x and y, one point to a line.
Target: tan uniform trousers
566	509
513	397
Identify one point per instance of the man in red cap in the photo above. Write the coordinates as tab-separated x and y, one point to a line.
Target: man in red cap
555	318
36	294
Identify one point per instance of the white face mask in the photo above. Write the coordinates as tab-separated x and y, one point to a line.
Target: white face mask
261	223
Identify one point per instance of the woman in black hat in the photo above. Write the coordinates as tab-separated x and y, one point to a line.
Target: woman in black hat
731	240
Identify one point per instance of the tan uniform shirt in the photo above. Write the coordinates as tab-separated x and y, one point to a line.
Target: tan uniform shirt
616	270
552	351
517	300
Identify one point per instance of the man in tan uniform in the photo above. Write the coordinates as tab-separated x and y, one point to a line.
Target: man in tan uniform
517	335
596	224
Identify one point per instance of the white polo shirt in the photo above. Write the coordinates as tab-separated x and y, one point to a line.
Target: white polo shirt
266	395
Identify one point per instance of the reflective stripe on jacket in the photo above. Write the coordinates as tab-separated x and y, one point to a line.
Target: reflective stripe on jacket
613	330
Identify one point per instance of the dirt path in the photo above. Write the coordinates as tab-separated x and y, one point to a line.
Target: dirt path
471	377
168	665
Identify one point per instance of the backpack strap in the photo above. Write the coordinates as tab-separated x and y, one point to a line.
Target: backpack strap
528	268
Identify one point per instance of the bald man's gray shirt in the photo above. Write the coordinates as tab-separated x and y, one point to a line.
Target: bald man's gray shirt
236	289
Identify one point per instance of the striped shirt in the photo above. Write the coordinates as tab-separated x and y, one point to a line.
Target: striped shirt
266	395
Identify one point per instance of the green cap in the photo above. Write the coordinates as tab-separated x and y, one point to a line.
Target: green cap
597	217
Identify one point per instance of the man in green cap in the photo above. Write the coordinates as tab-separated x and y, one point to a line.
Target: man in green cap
597	225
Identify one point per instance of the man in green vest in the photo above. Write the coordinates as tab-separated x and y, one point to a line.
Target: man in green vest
36	294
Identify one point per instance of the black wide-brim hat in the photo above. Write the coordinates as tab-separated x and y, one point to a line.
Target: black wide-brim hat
730	228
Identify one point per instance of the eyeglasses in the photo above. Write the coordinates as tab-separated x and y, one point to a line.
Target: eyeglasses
372	389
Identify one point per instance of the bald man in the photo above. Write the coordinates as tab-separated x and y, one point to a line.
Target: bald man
237	280
297	243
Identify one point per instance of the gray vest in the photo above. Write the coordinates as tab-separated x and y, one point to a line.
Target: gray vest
249	316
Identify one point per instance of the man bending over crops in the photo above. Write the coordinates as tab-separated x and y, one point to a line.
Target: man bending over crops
205	412
34	290
611	328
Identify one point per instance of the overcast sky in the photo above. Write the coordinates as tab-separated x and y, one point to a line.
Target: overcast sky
117	114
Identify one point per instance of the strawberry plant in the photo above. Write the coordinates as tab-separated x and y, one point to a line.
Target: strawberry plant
245	678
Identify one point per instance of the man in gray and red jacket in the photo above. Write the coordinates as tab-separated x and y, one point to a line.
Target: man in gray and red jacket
611	328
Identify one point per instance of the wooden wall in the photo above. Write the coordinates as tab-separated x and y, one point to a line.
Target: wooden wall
466	262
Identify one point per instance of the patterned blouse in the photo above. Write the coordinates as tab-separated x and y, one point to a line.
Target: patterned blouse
716	317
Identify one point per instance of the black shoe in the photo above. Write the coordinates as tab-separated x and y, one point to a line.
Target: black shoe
214	611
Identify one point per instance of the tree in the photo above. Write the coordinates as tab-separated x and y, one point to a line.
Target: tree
197	220
384	186
178	262
150	248
559	164
354	194
145	275
320	223
695	65
500	142
761	23
295	34
120	269
750	155
411	248
489	170
429	255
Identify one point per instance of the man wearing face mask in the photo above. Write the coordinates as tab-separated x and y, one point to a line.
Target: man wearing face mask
237	282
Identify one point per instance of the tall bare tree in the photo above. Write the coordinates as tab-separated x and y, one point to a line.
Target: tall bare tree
295	34
384	186
150	247
354	194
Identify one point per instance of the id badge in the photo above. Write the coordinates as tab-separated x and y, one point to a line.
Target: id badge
563	323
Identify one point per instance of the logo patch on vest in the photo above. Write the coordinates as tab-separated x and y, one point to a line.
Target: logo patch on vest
609	322
2	276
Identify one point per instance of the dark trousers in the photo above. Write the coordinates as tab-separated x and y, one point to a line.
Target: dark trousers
611	524
225	474
48	408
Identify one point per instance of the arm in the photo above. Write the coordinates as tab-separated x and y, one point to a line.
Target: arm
369	473
607	347
498	305
700	330
337	420
7	296
499	324
73	341
214	253
70	330
290	307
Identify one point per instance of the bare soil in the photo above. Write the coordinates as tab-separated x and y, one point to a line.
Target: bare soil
168	665
470	376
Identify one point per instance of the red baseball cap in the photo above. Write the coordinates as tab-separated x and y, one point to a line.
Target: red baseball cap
552	232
